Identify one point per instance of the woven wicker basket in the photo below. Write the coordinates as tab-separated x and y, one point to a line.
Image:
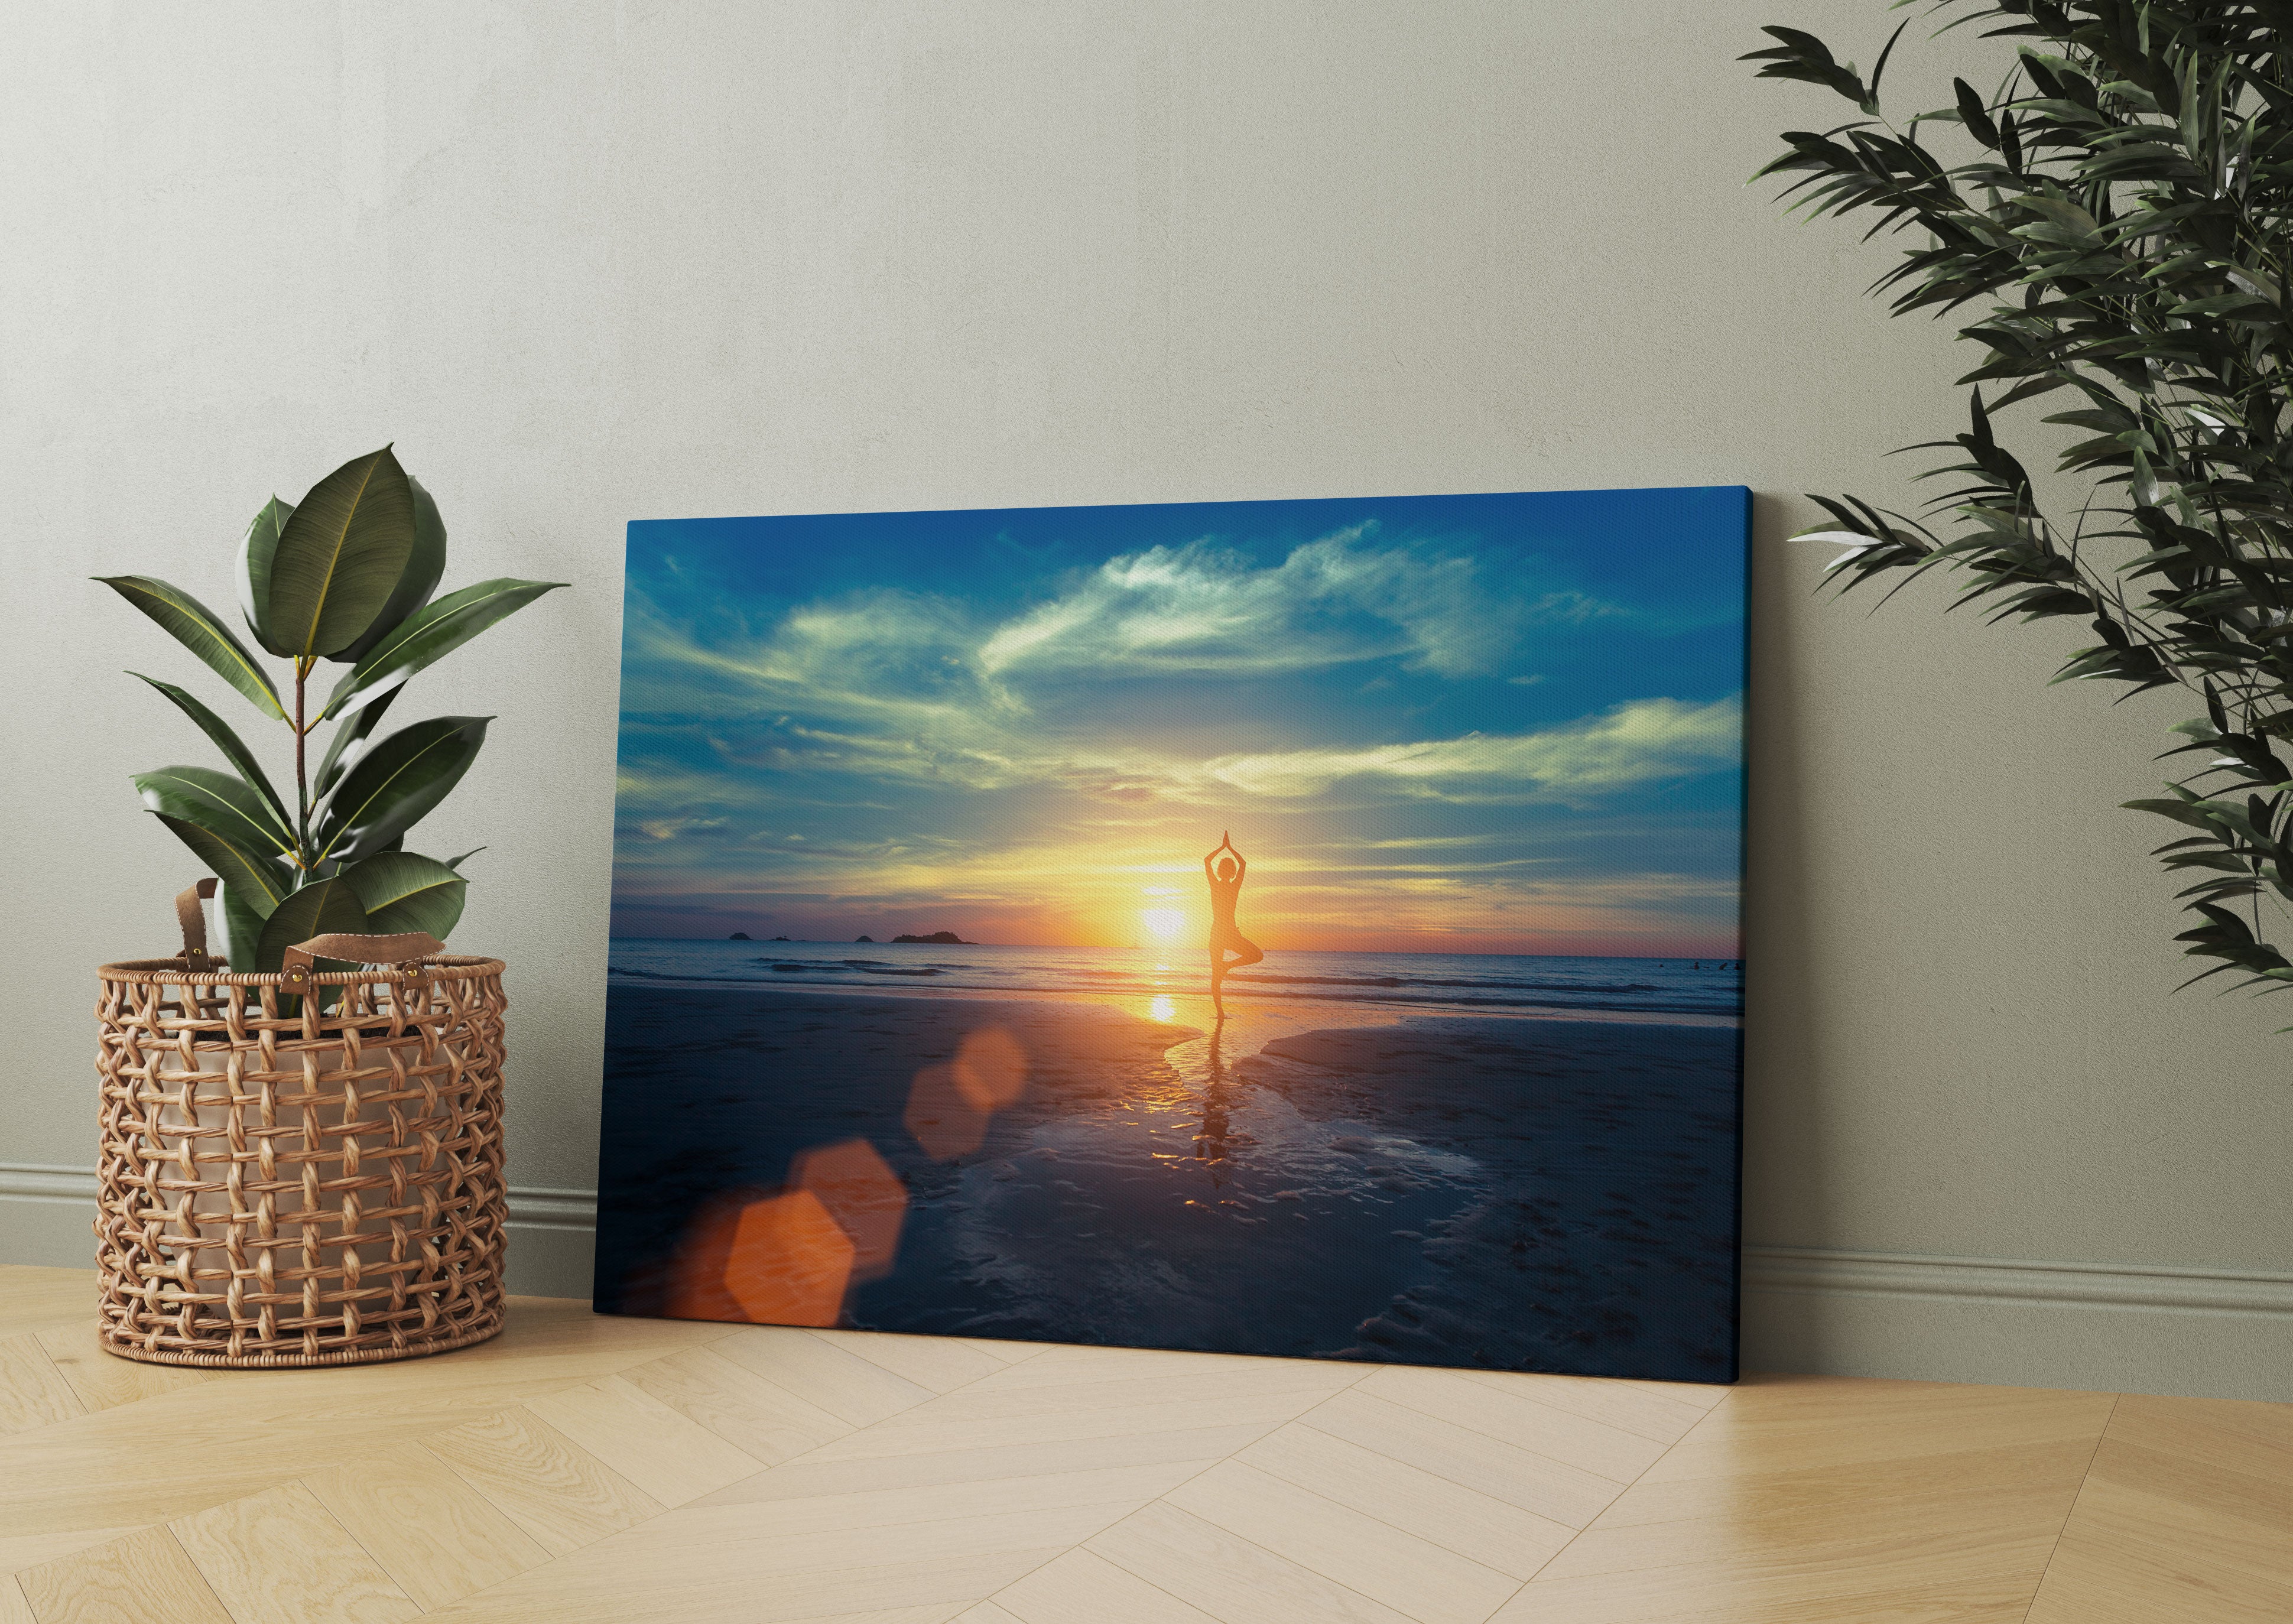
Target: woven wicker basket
292	1176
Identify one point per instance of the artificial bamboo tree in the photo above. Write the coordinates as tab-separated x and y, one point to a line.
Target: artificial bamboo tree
2110	223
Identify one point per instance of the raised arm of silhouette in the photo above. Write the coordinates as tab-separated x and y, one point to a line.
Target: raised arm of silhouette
1224	867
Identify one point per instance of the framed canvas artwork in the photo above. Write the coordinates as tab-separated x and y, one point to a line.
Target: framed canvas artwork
1301	928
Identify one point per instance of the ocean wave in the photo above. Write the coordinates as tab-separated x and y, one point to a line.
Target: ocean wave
671	975
1616	989
1550	1002
866	967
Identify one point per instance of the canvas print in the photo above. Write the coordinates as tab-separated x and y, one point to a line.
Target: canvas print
1298	928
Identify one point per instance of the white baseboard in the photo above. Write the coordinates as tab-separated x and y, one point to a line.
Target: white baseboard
535	1207
1825	1271
2137	1327
2110	1327
45	1219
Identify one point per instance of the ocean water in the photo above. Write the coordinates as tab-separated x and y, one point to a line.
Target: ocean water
1699	990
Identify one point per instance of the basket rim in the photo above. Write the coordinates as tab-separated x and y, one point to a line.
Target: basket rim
171	971
491	1321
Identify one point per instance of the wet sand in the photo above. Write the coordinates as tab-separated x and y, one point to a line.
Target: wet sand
1449	1189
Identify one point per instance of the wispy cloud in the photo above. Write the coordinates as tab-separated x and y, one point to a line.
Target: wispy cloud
1206	608
931	672
1643	741
1635	744
881	654
669	828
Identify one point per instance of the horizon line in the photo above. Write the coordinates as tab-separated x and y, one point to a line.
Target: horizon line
818	941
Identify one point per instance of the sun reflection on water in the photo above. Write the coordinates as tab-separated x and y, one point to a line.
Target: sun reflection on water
1162	1008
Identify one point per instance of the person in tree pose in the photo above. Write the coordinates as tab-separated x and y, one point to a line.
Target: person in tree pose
1225	872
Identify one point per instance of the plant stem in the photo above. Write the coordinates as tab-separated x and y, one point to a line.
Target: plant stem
302	784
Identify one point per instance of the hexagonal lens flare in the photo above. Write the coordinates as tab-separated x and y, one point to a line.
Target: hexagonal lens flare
860	1192
949	1106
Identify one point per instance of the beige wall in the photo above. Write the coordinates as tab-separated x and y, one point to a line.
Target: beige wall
589	263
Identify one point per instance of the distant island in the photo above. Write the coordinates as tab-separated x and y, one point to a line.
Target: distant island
940	938
739	936
858	939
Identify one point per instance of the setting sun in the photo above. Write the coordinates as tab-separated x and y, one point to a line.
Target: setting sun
1164	924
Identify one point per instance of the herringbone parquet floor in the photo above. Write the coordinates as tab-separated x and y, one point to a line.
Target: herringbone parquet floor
583	1469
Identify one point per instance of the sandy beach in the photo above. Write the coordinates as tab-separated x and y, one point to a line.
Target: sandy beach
1515	1193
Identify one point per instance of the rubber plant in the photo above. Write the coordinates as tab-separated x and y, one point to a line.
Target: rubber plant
2110	222
347	576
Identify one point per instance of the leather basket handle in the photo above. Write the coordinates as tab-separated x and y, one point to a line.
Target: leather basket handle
296	964
193	918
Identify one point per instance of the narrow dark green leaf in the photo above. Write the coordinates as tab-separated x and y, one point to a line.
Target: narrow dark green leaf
217	801
457	863
423	565
256	549
429	636
2181	812
1870	103
403	891
341	555
1974	116
395	784
233	747
261	880
195	626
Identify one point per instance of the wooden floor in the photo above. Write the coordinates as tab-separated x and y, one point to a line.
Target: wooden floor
618	1470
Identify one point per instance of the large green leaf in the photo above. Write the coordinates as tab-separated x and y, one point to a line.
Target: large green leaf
256	549
423	565
319	909
217	801
348	743
195	626
395	784
242	927
340	557
261	880
403	891
430	635
233	747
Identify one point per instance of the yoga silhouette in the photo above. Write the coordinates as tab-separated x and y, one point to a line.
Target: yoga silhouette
1225	874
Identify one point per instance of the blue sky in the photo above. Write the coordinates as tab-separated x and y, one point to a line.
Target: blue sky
1507	723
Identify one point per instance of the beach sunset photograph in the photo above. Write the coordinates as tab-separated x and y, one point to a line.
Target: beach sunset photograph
1303	927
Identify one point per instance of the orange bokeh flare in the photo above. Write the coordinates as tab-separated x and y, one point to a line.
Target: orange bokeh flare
769	1260
858	1190
949	1106
791	1262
